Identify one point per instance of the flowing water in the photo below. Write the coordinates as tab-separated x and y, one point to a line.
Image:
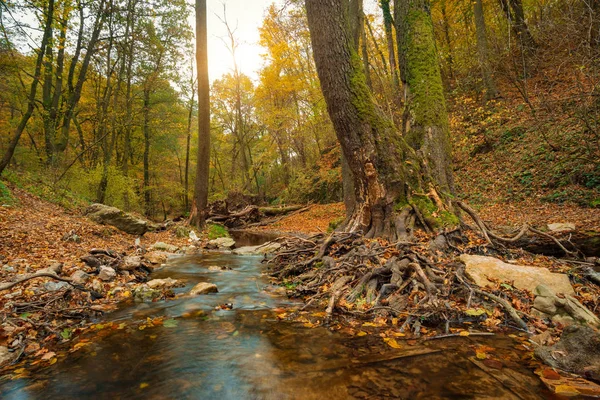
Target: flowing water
247	353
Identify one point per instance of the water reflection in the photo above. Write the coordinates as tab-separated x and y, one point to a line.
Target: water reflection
247	353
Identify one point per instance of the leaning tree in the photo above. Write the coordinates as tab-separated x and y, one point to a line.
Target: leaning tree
398	175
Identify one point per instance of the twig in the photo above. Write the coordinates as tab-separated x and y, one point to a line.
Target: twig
450	335
509	309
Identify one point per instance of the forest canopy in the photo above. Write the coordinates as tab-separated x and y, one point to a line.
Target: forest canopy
102	97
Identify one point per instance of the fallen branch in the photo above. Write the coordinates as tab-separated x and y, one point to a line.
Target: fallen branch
509	309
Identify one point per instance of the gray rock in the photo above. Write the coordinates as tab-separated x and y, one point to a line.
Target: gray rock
80	277
566	311
56	286
157	257
222	243
131	262
107	215
8	268
267	248
218	268
204	288
98	286
107	273
191	250
578	351
165	247
5	355
478	268
163	283
561	227
145	294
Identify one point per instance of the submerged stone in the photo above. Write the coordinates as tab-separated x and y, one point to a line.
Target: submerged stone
204	288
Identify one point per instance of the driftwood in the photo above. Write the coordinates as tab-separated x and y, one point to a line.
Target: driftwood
572	244
251	215
50	272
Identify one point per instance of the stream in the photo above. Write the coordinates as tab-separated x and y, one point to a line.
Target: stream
248	353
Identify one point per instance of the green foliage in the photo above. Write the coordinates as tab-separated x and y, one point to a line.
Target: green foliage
182	231
511	135
334	224
6	196
215	231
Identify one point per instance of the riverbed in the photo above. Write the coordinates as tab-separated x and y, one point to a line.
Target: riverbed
249	352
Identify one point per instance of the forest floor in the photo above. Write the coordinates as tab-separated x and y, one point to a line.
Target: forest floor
32	233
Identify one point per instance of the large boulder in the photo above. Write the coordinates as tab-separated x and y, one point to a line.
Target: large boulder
163	283
169	248
107	215
157	257
578	351
204	288
479	268
267	248
222	243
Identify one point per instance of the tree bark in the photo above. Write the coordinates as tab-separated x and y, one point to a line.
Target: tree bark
385	170
200	203
482	51
513	9
425	126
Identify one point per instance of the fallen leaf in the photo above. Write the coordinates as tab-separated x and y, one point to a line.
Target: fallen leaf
392	343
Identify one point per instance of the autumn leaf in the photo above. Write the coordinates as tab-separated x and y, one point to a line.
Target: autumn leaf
392	343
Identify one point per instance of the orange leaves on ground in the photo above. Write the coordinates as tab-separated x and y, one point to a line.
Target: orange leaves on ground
315	219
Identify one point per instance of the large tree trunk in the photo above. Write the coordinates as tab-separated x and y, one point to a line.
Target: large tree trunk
425	126
482	50
200	203
385	169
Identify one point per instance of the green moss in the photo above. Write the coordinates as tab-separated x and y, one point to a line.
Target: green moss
334	224
433	216
215	231
6	196
449	219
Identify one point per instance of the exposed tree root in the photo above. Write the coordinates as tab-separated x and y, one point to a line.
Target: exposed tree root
363	276
488	234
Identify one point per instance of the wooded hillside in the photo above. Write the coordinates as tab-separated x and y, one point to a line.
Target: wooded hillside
98	101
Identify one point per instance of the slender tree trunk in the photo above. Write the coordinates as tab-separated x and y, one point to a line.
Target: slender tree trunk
449	58
32	91
187	143
482	51
146	129
75	91
513	9
200	203
388	22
